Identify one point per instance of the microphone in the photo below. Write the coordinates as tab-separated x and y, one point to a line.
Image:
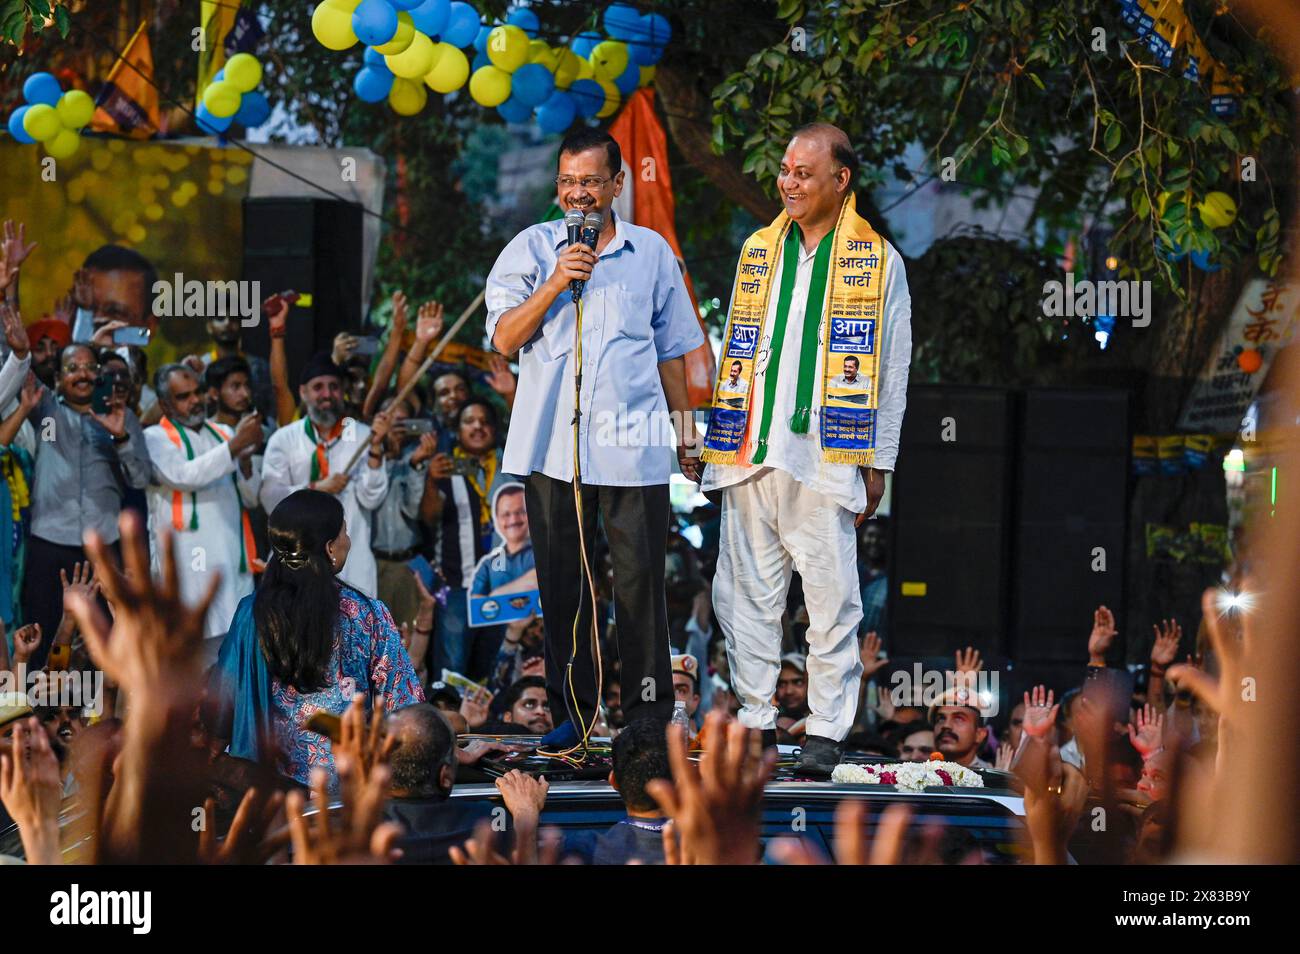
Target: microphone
573	223
592	223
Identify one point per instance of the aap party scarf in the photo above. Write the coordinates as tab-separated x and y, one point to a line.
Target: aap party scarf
844	314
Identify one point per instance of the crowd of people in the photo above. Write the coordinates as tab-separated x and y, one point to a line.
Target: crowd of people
275	583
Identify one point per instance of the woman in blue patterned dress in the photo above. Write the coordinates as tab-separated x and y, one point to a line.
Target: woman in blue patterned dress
305	642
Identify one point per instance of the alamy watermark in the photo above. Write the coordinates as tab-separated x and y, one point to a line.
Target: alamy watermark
1089	299
179	298
83	689
923	688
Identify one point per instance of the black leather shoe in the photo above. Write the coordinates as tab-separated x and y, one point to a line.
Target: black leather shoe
819	757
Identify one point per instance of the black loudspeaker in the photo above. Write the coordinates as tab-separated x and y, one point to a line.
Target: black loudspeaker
950	516
1072	519
312	246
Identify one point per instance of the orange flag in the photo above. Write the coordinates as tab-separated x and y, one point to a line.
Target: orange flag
647	200
128	103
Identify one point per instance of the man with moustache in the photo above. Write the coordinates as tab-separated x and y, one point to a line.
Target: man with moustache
314	452
637	325
204	485
799	466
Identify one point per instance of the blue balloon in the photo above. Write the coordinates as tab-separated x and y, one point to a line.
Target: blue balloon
513	111
588	96
253	109
532	84
16	126
430	17
215	125
623	22
371	85
557	114
374	22
462	25
629	81
406	4
584	43
481	41
1202	261
480	60
648	47
221	74
42	88
525	19
373	57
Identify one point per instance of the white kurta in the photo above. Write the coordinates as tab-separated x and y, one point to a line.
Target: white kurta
287	468
214	546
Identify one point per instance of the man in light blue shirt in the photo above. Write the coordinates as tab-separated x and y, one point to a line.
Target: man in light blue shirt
637	325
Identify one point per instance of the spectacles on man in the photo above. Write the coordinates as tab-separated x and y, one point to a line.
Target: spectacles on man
74	368
587	182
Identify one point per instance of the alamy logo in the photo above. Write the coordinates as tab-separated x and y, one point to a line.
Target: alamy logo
132	908
926	687
1089	299
195	299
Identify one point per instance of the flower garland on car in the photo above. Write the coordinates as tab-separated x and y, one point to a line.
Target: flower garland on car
909	776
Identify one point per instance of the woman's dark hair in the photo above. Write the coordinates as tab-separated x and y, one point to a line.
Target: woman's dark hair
297	605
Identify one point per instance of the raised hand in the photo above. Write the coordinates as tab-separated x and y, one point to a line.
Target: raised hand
1222	695
429	323
1146	732
246	843
13	252
32	792
30	395
398	326
474	707
1102	635
27	639
425	449
344	344
1005	753
968	660
1168	634
276	309
502	379
1040	713
15	331
367	747
152	645
715	809
359	837
870	652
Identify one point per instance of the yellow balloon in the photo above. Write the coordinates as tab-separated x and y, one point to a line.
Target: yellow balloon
406	97
609	59
1218	210
568	64
332	27
243	72
647	75
613	99
507	48
64	144
415	60
75	108
403	38
41	122
347	6
222	99
540	52
584	70
450	69
489	86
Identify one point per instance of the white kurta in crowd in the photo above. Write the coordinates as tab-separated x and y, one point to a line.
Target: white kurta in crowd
796	510
287	468
214	545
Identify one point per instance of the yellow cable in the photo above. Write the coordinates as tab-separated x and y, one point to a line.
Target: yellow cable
566	754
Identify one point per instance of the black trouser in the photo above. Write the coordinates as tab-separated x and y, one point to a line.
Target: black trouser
43	590
636	525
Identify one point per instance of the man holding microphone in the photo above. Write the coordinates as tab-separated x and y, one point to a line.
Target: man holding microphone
637	323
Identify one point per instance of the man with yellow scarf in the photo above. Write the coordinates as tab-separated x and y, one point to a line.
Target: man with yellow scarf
801	460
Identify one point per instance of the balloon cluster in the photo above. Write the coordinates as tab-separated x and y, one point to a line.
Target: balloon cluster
232	97
50	116
414	44
1218	211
